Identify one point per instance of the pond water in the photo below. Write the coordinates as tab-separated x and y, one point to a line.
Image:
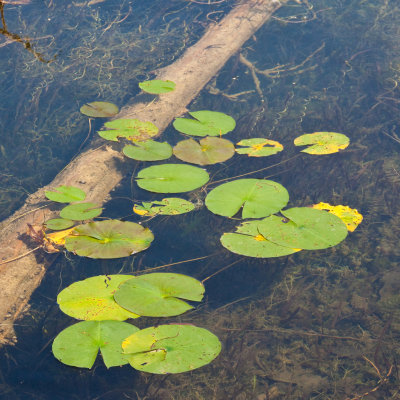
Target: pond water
319	324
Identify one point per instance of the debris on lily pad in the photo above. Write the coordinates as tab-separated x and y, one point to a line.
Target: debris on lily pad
157	86
55	241
131	129
81	211
65	194
148	151
167	206
259	147
99	109
322	142
350	216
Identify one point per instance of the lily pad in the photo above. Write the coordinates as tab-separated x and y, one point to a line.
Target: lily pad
171	349
148	151
57	224
210	150
259	147
171	178
258	198
305	228
322	142
65	194
109	239
157	86
131	129
79	344
247	241
80	211
159	294
167	206
100	109
93	299
206	123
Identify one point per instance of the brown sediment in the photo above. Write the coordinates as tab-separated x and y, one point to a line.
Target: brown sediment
98	170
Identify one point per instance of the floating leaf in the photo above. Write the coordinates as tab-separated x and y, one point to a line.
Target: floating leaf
109	239
171	349
101	109
148	151
305	228
258	198
172	178
80	211
157	86
322	142
58	238
350	216
168	206
132	129
65	194
79	344
259	147
247	241
57	224
159	294
207	123
93	299
210	150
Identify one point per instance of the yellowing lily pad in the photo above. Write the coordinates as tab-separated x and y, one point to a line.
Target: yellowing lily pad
210	150
80	211
350	216
100	109
167	206
157	86
322	142
171	349
93	299
148	151
131	129
65	194
259	147
56	240
159	294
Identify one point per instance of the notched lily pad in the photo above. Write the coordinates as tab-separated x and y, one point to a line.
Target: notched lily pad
322	142
259	147
131	129
99	109
65	194
157	86
80	211
167	206
148	151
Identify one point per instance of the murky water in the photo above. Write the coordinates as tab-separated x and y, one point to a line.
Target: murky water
321	324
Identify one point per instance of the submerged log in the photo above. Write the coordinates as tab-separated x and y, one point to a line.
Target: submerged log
98	170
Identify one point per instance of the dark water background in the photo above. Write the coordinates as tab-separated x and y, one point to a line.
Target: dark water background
314	325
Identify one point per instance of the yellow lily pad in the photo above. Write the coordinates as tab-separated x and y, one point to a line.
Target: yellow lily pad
259	147
322	142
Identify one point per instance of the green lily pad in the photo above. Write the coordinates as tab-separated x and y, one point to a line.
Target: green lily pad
131	129
148	151
258	198
157	86
80	211
171	178
206	123
100	109
65	194
109	239
322	142
171	349
247	241
79	344
210	150
305	228
259	147
93	299
168	206
58	224
159	294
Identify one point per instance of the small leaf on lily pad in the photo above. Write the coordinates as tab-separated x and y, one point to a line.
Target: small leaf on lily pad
159	294
322	142
79	344
259	147
148	151
57	224
93	299
167	206
100	109
171	349
131	129
157	86
258	198
350	216
65	194
80	211
171	178
247	241
210	150
109	239
206	123
305	228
